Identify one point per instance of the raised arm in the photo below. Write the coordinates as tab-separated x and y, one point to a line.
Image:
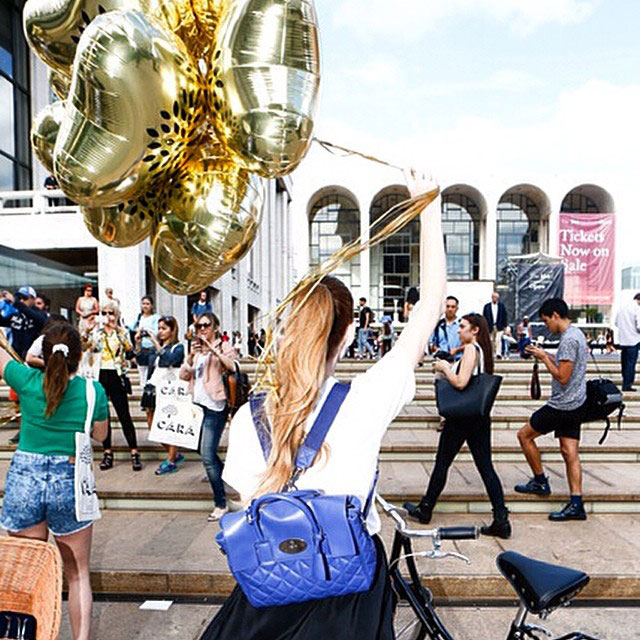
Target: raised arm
433	276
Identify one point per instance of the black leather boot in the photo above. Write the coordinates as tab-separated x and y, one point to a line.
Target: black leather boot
421	511
500	527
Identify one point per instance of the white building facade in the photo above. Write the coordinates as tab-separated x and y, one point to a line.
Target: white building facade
486	219
33	219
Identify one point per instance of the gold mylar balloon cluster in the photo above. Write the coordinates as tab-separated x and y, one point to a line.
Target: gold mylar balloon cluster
171	113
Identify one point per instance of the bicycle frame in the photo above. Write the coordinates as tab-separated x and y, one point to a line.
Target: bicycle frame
418	596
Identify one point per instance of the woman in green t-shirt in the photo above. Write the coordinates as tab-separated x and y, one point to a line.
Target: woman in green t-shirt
39	490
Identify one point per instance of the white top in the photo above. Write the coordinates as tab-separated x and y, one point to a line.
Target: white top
628	323
36	348
494	311
375	399
200	395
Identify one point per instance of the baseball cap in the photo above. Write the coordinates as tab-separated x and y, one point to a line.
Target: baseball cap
27	292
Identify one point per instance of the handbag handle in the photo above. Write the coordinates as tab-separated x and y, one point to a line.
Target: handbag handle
320	566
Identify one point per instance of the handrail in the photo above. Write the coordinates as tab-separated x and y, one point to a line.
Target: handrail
43	201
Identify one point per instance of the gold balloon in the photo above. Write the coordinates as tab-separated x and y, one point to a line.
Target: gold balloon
264	80
214	207
173	266
194	21
134	113
59	84
208	14
123	225
44	132
53	27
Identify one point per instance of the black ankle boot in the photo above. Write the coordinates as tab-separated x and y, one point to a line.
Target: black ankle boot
421	511
500	527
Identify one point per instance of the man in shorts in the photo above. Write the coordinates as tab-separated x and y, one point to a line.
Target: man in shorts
563	413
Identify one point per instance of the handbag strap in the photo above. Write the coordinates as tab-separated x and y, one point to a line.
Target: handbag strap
314	438
312	443
91	400
480	360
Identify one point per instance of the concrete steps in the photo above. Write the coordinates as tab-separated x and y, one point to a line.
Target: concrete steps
154	538
608	487
410	444
172	554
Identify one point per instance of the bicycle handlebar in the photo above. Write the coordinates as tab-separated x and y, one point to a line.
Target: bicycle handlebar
441	533
458	533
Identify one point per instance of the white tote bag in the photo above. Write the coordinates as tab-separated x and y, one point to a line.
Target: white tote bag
87	504
176	420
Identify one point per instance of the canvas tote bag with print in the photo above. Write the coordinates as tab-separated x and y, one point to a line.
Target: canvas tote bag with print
176	420
87	504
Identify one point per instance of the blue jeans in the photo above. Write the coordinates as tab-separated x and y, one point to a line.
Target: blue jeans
628	360
212	428
363	343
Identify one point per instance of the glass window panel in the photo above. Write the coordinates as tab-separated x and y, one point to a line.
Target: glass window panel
7	126
6	174
403	264
6	62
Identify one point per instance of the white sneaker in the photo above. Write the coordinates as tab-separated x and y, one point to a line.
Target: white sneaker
217	513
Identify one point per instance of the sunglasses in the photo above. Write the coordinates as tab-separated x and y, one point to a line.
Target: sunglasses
108	313
203	325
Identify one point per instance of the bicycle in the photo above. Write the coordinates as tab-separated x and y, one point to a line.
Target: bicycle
541	587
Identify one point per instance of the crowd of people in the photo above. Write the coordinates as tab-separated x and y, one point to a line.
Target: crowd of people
102	349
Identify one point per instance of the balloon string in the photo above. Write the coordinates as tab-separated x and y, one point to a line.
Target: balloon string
329	146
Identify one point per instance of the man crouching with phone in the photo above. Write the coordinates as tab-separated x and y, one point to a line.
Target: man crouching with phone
563	413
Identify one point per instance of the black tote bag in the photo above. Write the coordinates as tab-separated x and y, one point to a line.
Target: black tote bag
474	401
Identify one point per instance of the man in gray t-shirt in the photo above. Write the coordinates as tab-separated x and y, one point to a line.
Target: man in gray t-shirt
572	348
563	413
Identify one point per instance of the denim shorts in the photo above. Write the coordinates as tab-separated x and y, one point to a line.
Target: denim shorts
40	488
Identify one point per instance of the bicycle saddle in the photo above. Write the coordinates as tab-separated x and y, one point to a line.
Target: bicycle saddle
541	586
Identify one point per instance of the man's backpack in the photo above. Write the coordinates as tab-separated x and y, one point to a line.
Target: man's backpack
603	398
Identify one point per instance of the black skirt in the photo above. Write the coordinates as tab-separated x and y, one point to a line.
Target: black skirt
366	616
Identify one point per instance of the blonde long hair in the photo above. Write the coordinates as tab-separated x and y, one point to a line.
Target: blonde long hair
312	335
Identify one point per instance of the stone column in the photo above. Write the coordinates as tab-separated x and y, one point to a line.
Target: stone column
123	271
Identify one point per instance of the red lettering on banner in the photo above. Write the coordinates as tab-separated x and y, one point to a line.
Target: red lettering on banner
587	248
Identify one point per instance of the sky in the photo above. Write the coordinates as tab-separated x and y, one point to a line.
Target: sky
544	88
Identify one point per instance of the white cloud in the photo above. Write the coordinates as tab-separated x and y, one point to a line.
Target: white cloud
376	71
410	19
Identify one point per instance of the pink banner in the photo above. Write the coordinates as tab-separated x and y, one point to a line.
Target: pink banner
587	248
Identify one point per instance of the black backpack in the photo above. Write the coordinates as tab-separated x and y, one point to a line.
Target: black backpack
603	398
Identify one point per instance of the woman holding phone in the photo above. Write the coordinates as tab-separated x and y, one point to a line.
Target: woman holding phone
209	357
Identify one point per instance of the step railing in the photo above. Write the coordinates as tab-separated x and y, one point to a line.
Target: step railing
35	202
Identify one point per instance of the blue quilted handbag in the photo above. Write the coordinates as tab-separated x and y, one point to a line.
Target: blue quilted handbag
295	546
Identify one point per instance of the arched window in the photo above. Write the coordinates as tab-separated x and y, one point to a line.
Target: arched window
518	229
334	222
578	203
395	264
461	230
588	198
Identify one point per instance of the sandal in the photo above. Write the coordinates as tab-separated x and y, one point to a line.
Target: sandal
107	461
136	465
